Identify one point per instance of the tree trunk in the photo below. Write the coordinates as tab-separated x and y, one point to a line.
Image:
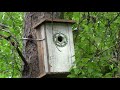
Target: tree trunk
30	46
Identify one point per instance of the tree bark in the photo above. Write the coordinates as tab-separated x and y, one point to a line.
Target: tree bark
30	46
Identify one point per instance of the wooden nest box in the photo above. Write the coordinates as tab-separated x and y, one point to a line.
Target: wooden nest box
55	46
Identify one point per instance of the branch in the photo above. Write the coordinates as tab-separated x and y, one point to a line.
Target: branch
115	18
110	22
88	18
2	26
16	47
7	38
108	48
22	57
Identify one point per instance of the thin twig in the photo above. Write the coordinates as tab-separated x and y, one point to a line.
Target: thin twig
108	48
98	54
111	21
115	18
13	62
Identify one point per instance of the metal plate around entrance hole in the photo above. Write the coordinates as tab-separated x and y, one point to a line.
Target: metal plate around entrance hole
60	39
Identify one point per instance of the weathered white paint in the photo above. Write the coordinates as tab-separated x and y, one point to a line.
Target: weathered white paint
45	48
72	55
59	61
55	59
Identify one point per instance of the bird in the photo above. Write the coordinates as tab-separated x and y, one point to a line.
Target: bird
2	26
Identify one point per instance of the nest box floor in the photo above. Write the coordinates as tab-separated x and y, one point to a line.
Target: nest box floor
56	75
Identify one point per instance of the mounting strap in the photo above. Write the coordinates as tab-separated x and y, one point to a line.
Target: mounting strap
33	39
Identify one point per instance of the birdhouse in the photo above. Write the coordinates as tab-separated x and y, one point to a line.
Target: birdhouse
55	45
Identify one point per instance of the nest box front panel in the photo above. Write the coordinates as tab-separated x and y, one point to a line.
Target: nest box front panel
59	40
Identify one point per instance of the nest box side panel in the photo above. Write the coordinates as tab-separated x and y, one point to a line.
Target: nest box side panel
59	55
42	50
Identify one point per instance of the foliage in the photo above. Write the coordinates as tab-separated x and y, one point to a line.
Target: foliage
96	45
96	39
10	63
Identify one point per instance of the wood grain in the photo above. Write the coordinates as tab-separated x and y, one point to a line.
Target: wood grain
40	45
59	61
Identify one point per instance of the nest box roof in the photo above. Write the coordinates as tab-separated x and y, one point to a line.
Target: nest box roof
53	21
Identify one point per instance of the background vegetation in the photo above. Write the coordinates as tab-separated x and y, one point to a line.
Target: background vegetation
96	39
10	63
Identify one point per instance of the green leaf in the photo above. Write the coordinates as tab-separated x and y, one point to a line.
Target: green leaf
90	70
77	71
111	66
108	75
71	76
